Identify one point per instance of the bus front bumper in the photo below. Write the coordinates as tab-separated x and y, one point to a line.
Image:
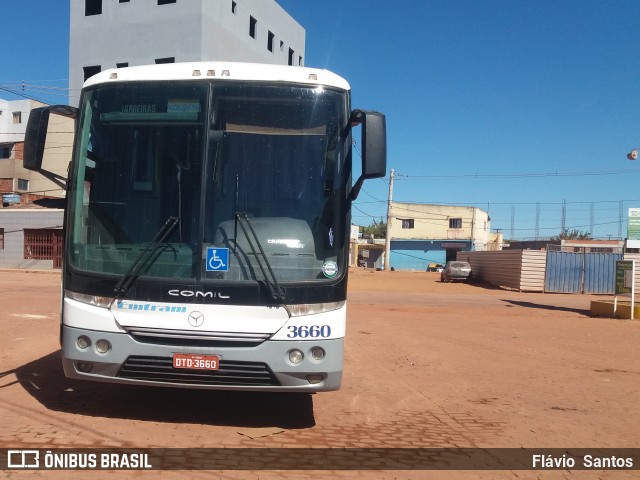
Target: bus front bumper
265	367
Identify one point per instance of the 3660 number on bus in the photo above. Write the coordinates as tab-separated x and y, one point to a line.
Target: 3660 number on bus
309	331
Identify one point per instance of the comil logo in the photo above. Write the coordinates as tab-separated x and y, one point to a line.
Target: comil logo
23	459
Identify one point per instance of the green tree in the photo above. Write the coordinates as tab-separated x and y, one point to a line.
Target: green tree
377	229
574	234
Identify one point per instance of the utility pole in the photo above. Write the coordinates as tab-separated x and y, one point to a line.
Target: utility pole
387	241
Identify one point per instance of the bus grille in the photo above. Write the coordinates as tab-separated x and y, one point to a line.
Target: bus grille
230	373
196	338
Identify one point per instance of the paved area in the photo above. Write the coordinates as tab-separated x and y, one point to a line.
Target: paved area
427	365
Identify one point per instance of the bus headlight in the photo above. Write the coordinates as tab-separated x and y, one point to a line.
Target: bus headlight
312	308
83	342
103	302
295	356
102	346
317	353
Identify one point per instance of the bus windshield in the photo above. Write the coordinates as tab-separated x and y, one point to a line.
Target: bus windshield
255	175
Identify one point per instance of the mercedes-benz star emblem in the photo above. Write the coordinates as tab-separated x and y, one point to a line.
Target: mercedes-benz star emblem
196	319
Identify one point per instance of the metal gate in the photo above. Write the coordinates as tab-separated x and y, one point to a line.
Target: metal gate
580	272
58	240
44	244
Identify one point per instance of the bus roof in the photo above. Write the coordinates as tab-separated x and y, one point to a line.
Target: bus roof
226	71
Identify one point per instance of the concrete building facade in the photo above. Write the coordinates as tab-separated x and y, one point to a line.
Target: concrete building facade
13	119
26	238
118	33
14	178
422	233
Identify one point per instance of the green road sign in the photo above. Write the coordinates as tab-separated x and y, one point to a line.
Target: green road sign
624	276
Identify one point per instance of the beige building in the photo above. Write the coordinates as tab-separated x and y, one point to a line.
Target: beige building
423	233
21	183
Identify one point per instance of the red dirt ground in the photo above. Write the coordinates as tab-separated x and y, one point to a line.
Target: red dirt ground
427	364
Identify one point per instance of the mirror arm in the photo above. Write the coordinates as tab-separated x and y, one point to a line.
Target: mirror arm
54	177
64	111
374	150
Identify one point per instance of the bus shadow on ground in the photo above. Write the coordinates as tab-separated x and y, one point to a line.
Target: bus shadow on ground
44	379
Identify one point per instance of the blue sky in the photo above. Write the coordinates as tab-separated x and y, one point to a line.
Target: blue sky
511	106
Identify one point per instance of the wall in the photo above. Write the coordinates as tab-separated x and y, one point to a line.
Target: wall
431	222
14	221
140	31
522	270
135	32
7	171
416	254
226	35
14	132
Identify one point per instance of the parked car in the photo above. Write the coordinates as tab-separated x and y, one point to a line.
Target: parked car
455	270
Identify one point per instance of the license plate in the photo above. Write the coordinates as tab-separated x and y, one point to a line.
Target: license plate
196	362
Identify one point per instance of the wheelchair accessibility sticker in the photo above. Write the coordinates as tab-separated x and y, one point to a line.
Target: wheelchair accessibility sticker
217	259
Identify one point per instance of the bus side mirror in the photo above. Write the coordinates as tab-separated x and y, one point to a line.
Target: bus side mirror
374	147
35	138
36	133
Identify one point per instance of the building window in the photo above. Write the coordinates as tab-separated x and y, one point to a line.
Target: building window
234	7
300	60
92	7
17	117
270	42
1	238
122	65
165	60
23	184
407	222
291	52
91	71
123	1
5	152
165	2
252	27
281	46
455	223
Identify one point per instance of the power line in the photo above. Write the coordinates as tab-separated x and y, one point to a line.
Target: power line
577	202
47	80
19	94
364	213
521	175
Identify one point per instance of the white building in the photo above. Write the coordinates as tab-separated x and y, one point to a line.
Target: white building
13	119
422	233
118	33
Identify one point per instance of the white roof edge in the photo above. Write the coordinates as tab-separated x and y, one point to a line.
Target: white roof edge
237	71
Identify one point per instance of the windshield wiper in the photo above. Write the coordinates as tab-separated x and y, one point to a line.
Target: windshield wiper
272	281
139	263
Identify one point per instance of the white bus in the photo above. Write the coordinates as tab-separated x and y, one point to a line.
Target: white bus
207	225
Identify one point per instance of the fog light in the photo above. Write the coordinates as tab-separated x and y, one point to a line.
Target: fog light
84	367
296	356
83	342
317	353
102	346
313	379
